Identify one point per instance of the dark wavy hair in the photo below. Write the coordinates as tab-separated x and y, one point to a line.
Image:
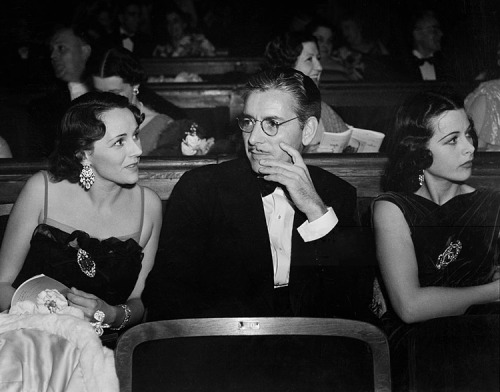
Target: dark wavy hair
81	126
414	126
285	49
120	62
306	94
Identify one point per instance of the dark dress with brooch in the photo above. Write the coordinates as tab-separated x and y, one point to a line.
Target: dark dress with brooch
71	256
456	245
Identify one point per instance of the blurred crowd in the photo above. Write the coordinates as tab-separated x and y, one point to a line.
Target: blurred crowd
57	49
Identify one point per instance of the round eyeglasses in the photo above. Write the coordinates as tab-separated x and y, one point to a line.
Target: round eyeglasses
269	126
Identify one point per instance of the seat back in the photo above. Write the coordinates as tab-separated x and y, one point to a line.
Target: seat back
265	354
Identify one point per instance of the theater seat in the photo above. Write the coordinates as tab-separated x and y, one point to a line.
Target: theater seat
253	354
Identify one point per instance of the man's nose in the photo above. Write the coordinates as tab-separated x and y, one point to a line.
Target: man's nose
257	134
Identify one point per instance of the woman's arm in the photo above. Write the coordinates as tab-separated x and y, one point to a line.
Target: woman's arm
23	219
398	266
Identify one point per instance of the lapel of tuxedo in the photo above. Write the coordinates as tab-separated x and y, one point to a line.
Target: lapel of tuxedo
241	198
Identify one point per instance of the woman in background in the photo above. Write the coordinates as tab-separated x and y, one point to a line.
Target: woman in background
437	238
86	222
483	105
182	42
118	71
300	51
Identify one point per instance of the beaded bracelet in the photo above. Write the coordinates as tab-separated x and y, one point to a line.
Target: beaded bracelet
128	313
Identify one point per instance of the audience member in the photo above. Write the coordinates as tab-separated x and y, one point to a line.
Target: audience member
426	60
492	72
4	149
483	106
437	243
229	248
100	25
357	38
69	53
333	68
129	34
365	55
182	42
86	222
299	50
120	72
24	62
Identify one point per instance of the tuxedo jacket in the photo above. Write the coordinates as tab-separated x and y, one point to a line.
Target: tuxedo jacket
214	257
442	66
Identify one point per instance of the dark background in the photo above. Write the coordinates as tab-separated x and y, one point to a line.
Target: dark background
471	27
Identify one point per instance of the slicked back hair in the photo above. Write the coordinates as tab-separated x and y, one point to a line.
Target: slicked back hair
305	93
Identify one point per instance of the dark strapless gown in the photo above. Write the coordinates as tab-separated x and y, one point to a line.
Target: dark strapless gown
456	245
53	252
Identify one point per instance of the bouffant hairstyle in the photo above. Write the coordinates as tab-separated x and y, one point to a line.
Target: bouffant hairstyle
81	126
120	62
306	94
414	126
285	49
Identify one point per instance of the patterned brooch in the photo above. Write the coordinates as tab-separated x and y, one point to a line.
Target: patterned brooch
449	255
85	262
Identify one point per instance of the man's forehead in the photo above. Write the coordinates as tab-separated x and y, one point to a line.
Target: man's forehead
273	101
428	21
64	36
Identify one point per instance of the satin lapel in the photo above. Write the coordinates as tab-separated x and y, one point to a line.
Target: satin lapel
240	195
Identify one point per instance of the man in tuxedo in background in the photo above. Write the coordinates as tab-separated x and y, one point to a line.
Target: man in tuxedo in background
129	35
69	53
426	61
265	234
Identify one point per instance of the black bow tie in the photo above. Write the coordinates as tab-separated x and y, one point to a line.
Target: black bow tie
266	187
429	60
125	36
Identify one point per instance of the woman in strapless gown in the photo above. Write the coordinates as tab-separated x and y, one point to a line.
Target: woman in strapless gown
86	222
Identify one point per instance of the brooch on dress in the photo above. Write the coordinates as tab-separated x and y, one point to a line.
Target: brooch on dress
85	262
449	255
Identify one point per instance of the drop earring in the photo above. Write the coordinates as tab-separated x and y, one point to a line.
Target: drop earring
421	178
135	91
87	177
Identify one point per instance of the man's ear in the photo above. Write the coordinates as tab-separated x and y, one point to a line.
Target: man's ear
309	130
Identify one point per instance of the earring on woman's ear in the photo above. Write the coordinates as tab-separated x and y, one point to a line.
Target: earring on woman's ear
421	178
135	91
87	177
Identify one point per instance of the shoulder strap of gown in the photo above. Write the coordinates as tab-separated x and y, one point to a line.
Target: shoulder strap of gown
142	211
46	199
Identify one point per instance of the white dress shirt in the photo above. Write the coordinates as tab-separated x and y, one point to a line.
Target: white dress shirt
279	218
427	70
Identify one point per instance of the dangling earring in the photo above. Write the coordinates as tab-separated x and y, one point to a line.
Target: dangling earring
87	177
421	178
135	91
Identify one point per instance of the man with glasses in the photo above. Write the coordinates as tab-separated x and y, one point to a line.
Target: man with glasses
261	235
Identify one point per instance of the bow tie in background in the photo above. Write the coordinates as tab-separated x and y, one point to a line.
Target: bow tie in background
266	187
429	60
125	36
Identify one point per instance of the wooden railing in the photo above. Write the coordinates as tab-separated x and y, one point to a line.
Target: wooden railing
364	171
201	65
363	105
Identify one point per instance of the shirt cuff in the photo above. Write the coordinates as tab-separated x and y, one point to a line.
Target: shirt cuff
311	231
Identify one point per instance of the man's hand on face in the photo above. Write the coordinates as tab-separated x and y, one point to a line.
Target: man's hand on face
295	177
